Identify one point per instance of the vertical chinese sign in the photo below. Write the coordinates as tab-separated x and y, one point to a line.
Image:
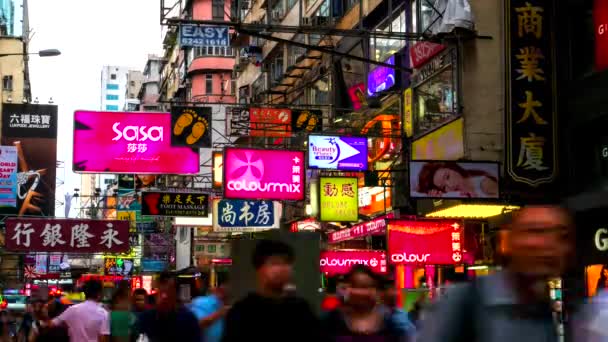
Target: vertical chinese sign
531	115
339	199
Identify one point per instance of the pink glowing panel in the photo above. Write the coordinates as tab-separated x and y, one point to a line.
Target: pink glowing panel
134	142
264	174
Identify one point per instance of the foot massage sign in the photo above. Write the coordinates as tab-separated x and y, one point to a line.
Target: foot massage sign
264	174
135	142
191	126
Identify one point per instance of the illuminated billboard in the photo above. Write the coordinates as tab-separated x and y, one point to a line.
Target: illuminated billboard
129	142
337	153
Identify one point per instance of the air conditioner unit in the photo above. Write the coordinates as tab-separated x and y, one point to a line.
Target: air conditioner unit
306	21
321	21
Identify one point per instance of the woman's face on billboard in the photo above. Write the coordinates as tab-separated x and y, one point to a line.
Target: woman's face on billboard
448	180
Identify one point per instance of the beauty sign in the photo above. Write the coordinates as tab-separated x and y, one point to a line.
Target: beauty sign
341	261
339	200
135	142
264	174
337	153
435	242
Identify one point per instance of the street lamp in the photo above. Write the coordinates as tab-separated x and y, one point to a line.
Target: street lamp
41	53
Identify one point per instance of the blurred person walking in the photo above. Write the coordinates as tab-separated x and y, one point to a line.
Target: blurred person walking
211	310
43	313
121	318
514	304
399	317
362	318
270	314
169	321
87	321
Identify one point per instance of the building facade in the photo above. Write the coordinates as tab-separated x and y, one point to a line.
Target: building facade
134	82
149	90
114	87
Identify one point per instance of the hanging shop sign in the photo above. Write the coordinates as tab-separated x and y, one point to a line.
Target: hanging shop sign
8	176
408	113
66	235
450	179
531	115
32	128
381	78
306	121
264	174
374	200
389	127
211	249
340	262
338	199
191	126
202	36
422	52
237	121
270	122
135	142
174	204
152	265
357	96
218	169
305	225
438	242
376	226
337	153
118	266
600	23
445	143
246	215
434	66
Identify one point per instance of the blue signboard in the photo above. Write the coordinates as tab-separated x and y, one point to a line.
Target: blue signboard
245	215
201	36
151	265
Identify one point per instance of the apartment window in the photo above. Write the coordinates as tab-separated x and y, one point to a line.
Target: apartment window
233	86
383	48
7	83
132	83
217	9
112	76
110	86
219	51
111	97
111	107
208	84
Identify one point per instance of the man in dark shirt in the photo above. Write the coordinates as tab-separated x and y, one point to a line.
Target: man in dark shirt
169	321
269	314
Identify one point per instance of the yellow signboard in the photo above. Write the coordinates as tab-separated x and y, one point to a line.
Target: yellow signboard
445	143
130	216
218	169
408	116
339	199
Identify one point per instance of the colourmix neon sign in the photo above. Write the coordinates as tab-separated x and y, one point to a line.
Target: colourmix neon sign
341	261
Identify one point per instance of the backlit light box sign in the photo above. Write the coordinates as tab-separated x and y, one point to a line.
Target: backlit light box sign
337	153
341	261
201	36
434	242
129	142
264	174
381	78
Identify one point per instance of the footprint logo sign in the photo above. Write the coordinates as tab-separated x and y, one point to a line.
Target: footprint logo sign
191	126
307	121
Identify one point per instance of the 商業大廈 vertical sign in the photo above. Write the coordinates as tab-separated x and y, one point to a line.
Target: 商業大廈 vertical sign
531	147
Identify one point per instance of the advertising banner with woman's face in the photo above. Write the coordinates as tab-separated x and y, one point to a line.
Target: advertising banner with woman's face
448	179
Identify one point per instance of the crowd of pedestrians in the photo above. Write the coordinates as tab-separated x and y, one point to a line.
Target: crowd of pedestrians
510	305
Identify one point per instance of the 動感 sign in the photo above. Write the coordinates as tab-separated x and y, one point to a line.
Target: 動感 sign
339	199
66	235
175	204
200	36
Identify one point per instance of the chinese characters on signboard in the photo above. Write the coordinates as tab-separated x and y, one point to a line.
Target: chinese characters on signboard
376	226
175	204
270	122
531	110
8	176
67	235
245	215
339	199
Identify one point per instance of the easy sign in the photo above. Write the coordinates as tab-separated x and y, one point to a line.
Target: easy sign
200	36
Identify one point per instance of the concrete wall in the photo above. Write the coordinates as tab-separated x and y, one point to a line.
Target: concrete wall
12	66
483	87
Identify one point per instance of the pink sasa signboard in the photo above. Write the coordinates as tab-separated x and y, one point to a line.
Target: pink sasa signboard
129	142
264	174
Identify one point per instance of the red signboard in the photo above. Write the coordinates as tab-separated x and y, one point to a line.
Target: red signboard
435	242
374	227
600	24
340	262
270	122
66	235
423	51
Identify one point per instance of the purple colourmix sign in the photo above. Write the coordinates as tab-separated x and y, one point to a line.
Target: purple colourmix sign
337	153
381	78
264	174
135	142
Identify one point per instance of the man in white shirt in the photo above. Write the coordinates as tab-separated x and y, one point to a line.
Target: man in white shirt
87	321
